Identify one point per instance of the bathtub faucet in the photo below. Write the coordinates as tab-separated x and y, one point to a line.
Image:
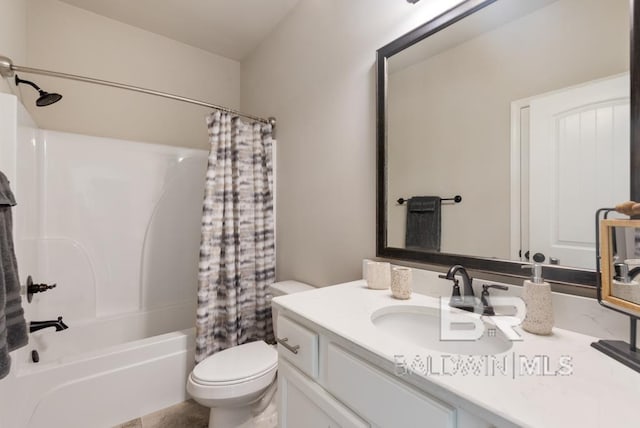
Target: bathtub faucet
39	325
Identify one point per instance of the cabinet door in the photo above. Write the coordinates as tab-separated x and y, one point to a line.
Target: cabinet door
303	403
381	399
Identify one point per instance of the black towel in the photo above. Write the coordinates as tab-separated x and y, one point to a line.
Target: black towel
13	328
423	223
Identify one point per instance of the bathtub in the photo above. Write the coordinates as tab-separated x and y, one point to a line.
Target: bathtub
100	375
116	225
92	337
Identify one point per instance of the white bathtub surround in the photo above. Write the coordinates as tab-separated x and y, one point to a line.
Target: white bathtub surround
237	246
98	217
592	391
110	209
378	275
401	279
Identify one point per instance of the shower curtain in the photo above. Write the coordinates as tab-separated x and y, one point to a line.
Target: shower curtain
237	258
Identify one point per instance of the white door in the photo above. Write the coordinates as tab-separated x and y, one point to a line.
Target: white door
579	162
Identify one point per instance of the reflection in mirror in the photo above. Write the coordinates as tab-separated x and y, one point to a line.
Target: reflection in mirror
522	108
625	260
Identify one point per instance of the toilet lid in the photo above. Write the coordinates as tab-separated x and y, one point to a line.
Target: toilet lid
234	364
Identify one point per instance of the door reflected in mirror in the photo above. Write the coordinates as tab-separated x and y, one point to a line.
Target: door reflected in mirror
522	108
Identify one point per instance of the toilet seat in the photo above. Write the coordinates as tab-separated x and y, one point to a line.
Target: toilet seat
235	372
238	364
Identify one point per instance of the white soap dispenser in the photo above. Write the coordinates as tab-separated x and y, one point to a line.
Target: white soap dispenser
536	295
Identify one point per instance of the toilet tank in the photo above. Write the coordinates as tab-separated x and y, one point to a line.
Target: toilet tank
282	288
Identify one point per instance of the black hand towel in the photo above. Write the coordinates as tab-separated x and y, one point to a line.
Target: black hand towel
423	223
13	328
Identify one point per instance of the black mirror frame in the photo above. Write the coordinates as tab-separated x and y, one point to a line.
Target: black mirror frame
561	274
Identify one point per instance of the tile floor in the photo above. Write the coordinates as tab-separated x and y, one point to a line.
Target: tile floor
192	415
184	415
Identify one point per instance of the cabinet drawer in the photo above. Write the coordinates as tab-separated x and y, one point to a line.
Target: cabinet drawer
298	345
379	398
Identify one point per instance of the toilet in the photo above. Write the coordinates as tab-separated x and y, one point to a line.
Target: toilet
239	382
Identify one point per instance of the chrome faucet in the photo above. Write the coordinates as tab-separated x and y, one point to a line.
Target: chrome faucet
467	300
39	325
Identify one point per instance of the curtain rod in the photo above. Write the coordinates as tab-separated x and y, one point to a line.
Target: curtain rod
8	69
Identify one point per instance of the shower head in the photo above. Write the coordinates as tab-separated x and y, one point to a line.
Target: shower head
45	97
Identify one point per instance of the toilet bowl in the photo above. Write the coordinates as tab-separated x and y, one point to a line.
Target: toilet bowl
239	382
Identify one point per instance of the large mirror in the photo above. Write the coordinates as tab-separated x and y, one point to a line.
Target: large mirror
523	111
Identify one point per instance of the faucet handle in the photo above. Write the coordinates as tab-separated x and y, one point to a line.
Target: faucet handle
487	308
33	288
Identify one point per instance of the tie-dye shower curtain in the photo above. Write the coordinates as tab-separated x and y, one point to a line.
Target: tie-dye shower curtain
237	260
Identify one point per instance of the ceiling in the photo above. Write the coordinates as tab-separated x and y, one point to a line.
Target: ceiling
231	28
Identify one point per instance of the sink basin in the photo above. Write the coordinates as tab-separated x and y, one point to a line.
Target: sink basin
420	326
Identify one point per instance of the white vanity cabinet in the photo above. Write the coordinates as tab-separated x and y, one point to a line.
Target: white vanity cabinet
351	393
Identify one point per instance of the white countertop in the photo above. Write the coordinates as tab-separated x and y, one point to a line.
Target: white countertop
599	391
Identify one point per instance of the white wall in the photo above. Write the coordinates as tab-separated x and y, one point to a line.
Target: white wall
13	35
316	74
69	39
